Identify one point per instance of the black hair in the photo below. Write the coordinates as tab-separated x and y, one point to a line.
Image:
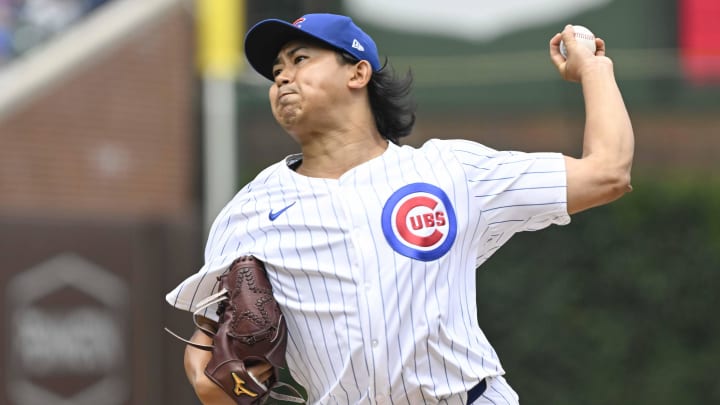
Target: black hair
390	101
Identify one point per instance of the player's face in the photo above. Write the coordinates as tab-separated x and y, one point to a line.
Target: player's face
309	80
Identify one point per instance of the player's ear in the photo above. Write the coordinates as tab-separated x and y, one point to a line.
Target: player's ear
360	74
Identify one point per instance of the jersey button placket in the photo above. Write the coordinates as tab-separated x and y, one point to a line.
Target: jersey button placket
370	311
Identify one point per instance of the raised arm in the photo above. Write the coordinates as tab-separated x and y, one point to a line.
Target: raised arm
602	174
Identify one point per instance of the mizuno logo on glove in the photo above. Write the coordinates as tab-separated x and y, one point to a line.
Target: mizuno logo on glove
240	387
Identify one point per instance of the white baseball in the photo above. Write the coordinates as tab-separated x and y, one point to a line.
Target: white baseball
584	37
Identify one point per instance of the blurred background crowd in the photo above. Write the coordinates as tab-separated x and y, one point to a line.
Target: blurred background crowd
25	24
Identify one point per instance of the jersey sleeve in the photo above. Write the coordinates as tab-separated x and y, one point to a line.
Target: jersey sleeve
220	251
513	191
227	240
231	236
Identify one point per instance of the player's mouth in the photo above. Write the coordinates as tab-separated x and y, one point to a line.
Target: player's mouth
283	94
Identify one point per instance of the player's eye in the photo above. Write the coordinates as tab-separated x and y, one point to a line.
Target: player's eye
276	72
299	59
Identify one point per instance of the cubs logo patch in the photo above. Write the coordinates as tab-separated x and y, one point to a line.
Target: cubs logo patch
419	222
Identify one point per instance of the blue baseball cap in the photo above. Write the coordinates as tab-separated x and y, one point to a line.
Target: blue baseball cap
266	38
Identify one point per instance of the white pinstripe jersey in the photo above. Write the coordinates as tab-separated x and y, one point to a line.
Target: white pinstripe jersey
375	271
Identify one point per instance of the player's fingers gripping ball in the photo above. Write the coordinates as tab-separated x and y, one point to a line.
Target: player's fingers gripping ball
584	37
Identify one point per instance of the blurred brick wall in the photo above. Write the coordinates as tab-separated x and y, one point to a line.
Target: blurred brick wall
115	138
101	166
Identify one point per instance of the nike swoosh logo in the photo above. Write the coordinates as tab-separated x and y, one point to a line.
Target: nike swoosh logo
273	215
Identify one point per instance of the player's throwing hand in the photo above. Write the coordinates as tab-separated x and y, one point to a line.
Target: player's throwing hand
579	57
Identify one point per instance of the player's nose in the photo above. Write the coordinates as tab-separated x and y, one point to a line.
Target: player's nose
283	77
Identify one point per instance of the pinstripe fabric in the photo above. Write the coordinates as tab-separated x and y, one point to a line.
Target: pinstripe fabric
366	323
498	392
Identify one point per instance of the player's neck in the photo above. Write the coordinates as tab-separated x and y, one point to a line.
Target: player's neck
333	154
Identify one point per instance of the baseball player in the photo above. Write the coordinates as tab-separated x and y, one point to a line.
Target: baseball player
372	247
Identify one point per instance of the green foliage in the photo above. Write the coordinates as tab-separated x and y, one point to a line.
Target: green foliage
616	308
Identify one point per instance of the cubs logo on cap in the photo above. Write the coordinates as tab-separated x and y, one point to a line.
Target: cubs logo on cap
419	222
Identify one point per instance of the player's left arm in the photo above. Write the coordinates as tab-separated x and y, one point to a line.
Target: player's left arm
602	174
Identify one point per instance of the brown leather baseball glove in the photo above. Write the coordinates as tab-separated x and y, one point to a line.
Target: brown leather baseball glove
251	329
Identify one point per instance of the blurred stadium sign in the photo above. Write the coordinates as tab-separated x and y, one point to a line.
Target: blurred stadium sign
699	39
66	334
480	20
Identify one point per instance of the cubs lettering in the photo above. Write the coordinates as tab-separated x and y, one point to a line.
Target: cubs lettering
418	221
